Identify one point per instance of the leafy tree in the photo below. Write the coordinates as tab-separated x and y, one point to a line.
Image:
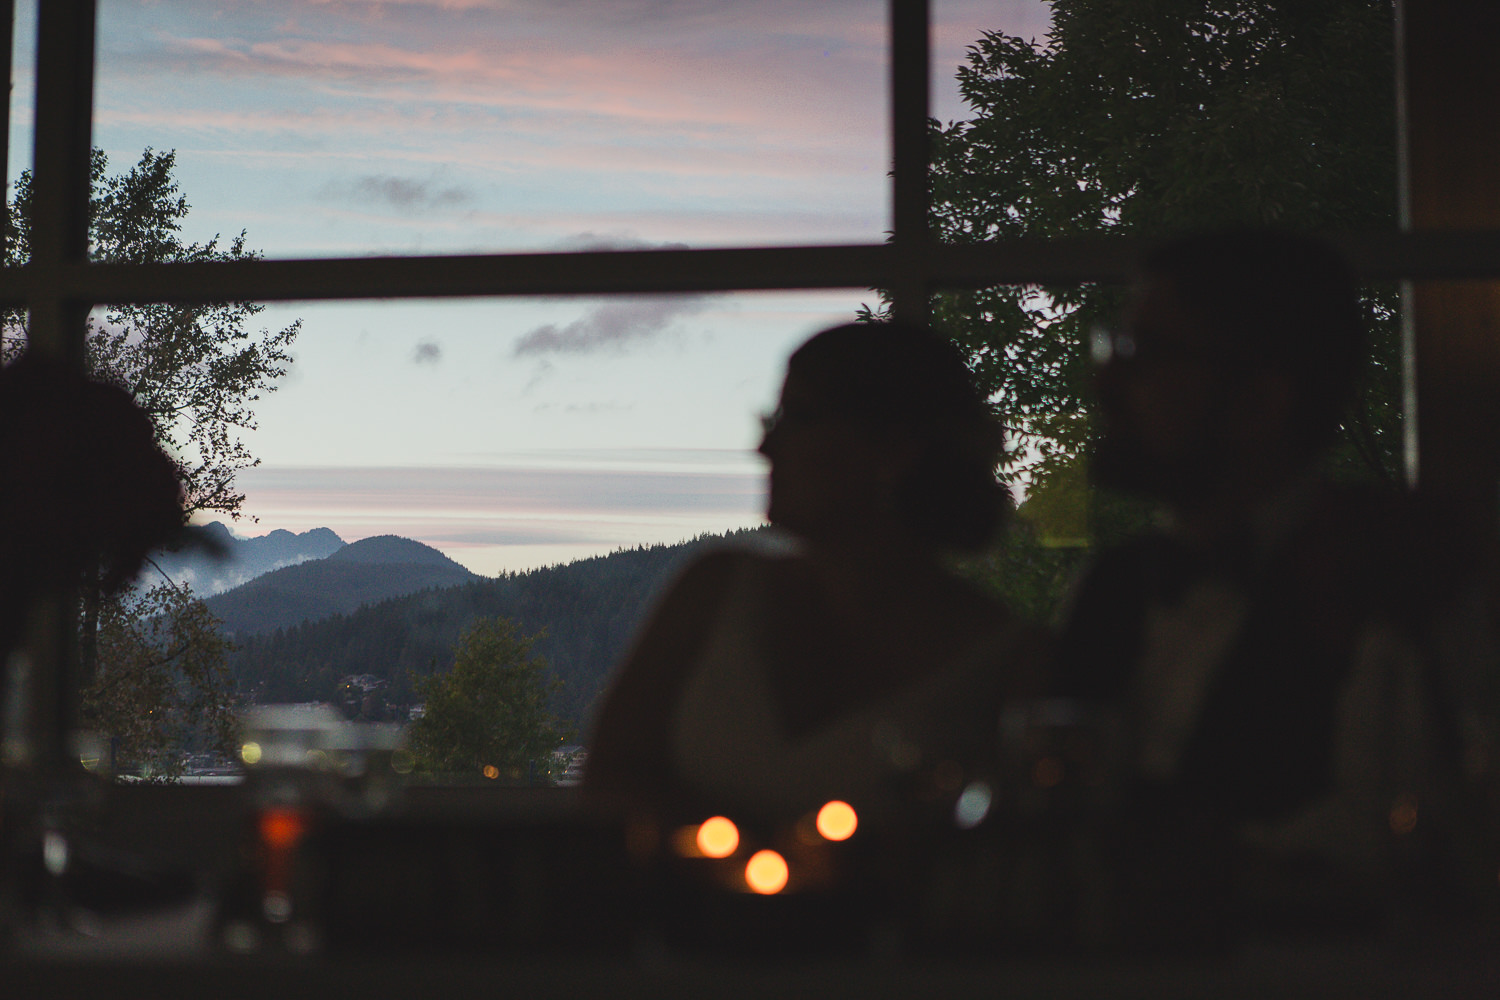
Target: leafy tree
490	709
197	371
1152	118
165	683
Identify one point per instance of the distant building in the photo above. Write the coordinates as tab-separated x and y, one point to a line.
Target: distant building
361	697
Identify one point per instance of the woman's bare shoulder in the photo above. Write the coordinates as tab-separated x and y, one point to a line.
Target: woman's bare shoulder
630	754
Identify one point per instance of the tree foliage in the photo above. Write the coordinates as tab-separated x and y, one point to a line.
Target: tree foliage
197	369
490	709
166	683
1152	118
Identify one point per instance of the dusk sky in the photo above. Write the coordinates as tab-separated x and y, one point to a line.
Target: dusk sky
513	433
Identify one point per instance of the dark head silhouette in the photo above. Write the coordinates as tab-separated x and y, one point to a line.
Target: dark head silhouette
898	402
83	484
1240	350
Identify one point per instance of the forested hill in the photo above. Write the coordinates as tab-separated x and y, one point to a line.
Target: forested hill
364	572
590	609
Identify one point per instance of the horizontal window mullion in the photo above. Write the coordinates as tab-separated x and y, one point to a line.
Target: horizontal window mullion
1377	257
1426	254
612	272
1380	256
646	271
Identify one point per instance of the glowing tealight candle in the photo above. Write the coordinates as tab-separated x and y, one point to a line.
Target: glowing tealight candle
837	820
766	873
718	837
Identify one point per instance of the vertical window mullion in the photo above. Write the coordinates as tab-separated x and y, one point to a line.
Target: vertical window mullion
910	83
59	240
60	183
7	67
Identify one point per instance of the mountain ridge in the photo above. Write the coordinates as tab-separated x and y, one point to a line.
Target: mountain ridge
359	573
224	560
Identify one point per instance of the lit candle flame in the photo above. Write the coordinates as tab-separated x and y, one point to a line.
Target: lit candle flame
837	820
766	873
718	837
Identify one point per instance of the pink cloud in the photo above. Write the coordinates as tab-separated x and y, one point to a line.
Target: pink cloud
695	67
616	148
667	86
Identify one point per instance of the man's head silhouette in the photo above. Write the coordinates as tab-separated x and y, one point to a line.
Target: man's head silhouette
1233	368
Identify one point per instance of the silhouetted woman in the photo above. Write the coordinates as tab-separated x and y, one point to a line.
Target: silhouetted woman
766	683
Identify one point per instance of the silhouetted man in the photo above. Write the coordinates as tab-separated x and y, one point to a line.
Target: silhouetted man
1264	649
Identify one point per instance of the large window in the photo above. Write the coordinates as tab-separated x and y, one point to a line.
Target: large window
863	221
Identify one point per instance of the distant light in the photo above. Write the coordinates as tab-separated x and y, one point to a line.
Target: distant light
718	837
766	873
55	852
241	936
1101	345
837	820
281	828
491	771
250	753
973	805
277	906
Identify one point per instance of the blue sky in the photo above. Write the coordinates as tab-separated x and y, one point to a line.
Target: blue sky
513	433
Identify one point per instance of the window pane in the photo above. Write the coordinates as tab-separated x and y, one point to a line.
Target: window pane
546	430
354	128
501	435
522	432
19	153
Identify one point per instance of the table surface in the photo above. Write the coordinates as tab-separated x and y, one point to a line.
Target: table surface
167	955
